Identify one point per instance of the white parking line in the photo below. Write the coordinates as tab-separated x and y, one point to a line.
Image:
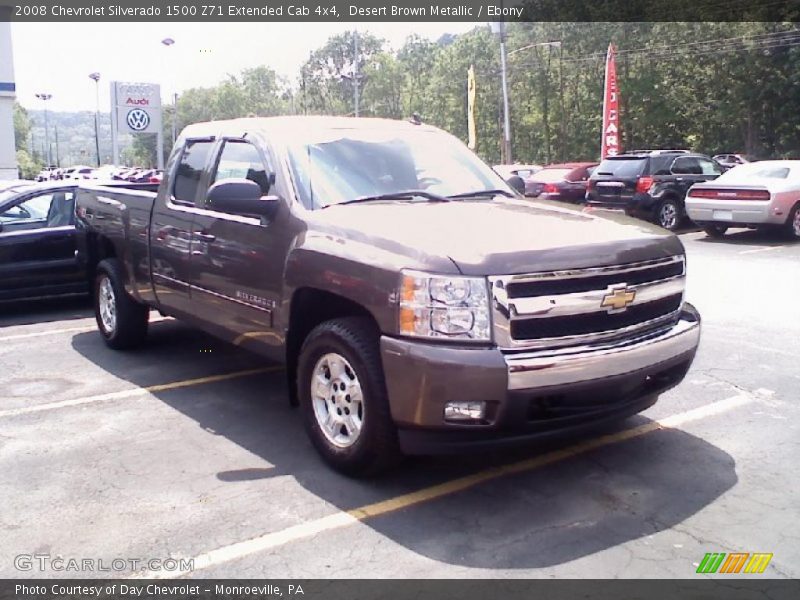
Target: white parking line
344	518
24	336
92	327
133	392
760	249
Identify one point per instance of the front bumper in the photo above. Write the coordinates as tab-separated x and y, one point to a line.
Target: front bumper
731	212
529	395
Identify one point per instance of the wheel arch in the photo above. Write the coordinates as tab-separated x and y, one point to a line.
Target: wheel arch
310	307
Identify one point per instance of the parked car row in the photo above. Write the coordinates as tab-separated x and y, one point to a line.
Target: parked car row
105	173
670	187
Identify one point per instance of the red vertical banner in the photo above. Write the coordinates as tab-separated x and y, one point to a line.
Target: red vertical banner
610	145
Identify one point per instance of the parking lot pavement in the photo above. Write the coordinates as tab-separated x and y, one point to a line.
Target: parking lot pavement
188	448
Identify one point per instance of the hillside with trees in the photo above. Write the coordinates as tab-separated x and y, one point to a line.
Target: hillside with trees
711	87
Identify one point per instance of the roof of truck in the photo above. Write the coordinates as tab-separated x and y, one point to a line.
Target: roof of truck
296	124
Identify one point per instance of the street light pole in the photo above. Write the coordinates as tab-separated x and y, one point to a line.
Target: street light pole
170	42
44	98
96	78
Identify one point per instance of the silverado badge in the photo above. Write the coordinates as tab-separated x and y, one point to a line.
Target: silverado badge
618	298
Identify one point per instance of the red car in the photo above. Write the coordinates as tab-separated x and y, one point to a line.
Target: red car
565	181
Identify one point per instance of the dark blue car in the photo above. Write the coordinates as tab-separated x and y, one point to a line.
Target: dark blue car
37	241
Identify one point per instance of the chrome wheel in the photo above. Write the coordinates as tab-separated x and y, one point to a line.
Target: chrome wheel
337	399
668	215
796	223
108	305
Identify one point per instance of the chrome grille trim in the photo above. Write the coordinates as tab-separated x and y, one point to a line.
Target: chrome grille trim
659	262
506	311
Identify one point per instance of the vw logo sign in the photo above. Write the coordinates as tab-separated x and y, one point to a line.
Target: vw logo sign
137	119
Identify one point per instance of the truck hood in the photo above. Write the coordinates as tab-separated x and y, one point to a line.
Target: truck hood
503	236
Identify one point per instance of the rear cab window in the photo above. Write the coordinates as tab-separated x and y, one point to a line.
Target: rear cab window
190	169
629	166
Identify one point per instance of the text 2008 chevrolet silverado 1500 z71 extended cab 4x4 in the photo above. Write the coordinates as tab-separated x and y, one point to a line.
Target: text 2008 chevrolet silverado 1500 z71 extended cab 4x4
419	304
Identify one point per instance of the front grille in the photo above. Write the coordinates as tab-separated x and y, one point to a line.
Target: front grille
543	287
565	308
596	322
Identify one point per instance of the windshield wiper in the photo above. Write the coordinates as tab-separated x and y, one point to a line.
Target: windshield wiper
406	195
480	193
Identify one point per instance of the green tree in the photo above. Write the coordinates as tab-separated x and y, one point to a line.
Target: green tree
22	126
28	166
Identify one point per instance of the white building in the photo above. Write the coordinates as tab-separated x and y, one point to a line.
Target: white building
8	158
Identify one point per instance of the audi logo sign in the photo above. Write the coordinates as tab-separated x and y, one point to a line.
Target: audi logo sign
137	106
137	94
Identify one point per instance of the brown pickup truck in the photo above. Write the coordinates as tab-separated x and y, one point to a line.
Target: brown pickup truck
419	303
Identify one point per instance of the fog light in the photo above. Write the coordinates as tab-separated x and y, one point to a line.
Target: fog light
464	411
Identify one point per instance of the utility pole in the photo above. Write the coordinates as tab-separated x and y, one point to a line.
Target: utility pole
58	160
44	98
96	78
499	28
355	71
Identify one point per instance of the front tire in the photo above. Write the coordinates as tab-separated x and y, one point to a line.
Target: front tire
342	394
121	320
669	214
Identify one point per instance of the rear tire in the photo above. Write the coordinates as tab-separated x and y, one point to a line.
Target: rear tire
669	214
715	231
121	320
342	394
792	226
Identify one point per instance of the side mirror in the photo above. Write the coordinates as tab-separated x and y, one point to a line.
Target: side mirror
241	197
517	183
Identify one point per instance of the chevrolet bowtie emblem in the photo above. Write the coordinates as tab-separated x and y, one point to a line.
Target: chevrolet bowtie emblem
618	298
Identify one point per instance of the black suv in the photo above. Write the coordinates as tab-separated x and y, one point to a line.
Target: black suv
650	184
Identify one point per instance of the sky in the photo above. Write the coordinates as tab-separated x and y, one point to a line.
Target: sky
57	58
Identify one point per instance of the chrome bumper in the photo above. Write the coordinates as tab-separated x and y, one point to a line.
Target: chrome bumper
545	368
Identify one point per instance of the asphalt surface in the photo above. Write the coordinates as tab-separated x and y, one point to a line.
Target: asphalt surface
96	462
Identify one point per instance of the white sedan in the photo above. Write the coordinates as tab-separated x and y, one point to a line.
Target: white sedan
759	194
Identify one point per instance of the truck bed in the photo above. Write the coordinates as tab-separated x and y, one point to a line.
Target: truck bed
118	214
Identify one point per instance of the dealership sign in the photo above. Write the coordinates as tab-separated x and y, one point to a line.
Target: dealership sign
137	107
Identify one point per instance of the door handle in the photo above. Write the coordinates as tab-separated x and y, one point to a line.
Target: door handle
206	237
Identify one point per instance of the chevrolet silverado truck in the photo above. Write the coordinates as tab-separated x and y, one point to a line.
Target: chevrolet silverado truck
419	303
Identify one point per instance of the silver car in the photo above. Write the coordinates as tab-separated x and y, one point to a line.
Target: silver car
760	194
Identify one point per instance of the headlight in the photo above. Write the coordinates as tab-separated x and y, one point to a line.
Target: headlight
443	306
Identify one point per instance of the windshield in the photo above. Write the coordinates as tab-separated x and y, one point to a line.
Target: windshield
336	166
621	167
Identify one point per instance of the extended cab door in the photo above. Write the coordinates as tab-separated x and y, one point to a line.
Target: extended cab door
237	260
171	225
37	245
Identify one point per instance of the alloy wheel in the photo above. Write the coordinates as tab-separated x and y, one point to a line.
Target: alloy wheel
337	399
107	305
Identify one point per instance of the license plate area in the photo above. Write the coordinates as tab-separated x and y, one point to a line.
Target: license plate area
723	215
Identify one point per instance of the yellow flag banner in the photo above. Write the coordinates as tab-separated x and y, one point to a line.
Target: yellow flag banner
473	140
